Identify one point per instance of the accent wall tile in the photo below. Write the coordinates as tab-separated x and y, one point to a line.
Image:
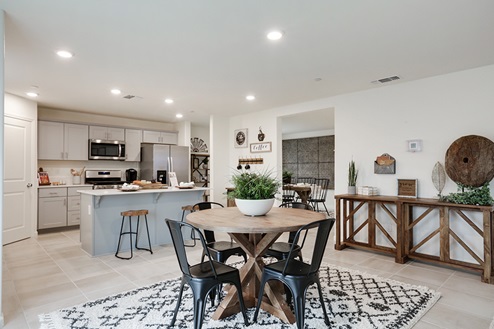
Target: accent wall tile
308	150
289	151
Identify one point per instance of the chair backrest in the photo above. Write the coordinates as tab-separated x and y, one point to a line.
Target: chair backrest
176	233
323	227
203	206
305	180
319	189
297	205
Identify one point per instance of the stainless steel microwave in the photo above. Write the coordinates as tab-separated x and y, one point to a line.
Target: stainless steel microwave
106	150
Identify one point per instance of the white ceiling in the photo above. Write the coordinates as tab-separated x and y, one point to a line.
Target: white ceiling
208	55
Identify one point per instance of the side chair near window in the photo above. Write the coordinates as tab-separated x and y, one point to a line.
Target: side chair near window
318	194
203	277
297	275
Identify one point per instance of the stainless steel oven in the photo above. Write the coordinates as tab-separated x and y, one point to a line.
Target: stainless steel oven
106	150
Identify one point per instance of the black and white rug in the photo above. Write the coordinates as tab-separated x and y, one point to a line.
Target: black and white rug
353	300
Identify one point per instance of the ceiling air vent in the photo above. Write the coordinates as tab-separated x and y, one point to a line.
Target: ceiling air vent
132	97
388	79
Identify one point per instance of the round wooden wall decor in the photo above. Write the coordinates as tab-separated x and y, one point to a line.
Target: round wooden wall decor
470	160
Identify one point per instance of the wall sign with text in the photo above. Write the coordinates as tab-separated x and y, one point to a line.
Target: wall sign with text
260	147
407	188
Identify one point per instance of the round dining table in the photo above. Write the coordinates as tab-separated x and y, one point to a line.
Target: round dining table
255	235
303	191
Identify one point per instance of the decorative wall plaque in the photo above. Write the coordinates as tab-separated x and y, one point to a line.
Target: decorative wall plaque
385	164
260	147
407	188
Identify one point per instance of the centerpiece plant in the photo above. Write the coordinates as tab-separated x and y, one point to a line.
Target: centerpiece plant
254	186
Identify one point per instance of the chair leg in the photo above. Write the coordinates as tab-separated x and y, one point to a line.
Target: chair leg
259	298
147	231
130	238
172	323
321	299
299	305
199	306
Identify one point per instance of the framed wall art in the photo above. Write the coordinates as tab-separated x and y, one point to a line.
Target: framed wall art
240	138
407	188
260	147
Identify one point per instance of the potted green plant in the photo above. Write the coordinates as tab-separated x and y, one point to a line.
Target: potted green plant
287	177
254	192
352	177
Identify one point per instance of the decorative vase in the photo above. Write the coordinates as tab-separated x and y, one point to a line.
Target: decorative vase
352	190
254	207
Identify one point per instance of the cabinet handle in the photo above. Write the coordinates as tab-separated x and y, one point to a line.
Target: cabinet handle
29	185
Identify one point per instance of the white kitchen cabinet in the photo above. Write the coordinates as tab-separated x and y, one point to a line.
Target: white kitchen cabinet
162	137
62	141
106	133
133	140
52	208
59	206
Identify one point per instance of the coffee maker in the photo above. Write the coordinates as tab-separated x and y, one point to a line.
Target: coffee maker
130	175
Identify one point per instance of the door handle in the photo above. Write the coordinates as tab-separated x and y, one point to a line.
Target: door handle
29	185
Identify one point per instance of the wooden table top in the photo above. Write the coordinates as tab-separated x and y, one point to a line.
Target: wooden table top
231	220
297	188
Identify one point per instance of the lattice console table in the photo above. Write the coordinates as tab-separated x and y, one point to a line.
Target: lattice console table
405	214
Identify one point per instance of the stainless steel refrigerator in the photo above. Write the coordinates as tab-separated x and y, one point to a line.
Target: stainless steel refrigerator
158	158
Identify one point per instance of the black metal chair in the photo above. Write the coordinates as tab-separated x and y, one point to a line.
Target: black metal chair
280	250
298	275
220	250
318	194
203	277
287	195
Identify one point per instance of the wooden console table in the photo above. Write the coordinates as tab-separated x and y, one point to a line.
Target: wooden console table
404	214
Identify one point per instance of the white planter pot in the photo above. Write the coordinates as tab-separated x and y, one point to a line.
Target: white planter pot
352	190
254	207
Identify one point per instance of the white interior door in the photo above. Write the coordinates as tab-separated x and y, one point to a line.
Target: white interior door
18	187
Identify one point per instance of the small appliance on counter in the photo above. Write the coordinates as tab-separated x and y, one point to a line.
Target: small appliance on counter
130	175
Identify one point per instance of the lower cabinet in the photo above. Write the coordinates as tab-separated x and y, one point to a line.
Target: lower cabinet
59	206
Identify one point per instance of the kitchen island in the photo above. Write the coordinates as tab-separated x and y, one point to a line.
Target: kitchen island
101	220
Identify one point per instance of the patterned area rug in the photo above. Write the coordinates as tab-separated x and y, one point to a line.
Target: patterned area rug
353	300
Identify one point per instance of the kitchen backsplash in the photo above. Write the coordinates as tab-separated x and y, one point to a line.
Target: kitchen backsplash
59	171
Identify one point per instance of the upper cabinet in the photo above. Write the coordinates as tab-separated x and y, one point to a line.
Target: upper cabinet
162	137
106	133
62	141
133	139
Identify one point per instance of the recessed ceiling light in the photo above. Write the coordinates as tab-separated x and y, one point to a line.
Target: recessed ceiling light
169	101
275	35
116	91
32	94
250	97
178	115
65	54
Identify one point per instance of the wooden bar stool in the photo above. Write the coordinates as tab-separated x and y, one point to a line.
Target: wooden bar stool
130	213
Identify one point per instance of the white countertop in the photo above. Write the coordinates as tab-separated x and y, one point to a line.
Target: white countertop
103	192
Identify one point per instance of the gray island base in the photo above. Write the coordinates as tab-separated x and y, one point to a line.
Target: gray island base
101	220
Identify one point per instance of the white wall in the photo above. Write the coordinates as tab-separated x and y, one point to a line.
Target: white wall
437	110
201	132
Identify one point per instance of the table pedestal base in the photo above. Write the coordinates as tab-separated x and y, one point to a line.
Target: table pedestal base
255	245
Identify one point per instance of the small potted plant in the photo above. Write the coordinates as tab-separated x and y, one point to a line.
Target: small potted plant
287	177
352	178
254	192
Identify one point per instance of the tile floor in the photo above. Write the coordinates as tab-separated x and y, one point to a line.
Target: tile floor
51	272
